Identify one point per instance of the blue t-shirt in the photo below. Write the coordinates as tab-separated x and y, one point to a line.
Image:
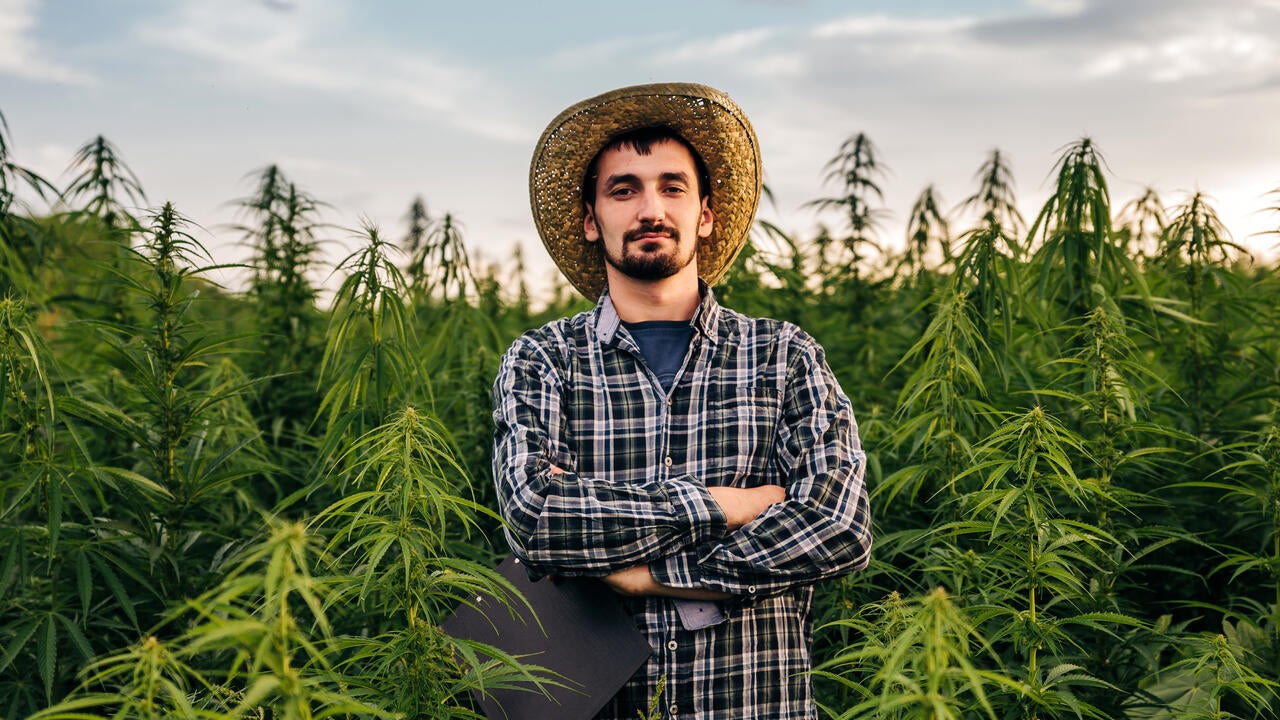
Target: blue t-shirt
663	343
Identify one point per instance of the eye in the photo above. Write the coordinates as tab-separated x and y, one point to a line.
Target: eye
621	192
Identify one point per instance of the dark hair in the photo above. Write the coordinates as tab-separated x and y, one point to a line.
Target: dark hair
642	140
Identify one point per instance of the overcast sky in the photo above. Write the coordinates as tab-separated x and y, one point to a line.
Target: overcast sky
369	104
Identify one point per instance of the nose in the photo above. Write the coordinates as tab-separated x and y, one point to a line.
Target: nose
650	209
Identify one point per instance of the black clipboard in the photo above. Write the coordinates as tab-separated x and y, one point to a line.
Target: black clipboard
581	632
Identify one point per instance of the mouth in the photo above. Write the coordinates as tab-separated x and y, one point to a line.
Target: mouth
652	234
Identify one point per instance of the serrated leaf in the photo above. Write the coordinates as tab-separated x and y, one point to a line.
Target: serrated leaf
84	582
47	654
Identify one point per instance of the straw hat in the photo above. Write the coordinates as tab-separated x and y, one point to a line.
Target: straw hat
712	123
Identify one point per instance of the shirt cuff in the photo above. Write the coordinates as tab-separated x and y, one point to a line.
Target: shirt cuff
681	570
678	570
693	502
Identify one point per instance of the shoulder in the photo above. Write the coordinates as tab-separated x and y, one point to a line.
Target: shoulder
552	343
787	336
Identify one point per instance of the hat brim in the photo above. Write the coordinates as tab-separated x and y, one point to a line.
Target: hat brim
705	117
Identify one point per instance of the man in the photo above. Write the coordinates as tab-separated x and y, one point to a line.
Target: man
706	465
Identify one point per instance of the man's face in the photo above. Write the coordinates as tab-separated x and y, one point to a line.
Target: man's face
647	214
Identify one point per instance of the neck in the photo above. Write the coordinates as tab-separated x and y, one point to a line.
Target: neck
674	298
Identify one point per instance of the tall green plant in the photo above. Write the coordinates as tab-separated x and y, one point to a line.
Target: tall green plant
366	364
1143	221
281	224
927	230
22	242
943	405
160	397
996	201
415	241
440	265
858	170
463	343
1250	545
1104	380
1078	249
1039	558
105	192
1195	253
104	186
1211	679
72	582
37	614
1198	244
987	260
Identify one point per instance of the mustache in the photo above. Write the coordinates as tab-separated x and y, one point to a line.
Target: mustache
651	229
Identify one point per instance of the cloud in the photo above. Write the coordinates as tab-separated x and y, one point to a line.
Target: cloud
1057	45
1229	53
19	54
718	48
885	27
1157	41
305	48
761	53
50	160
1060	7
328	168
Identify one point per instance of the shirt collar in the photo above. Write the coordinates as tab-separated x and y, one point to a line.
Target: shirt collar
706	317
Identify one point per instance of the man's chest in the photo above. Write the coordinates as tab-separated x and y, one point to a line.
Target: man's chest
719	421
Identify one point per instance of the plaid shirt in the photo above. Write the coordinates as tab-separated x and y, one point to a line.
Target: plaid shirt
754	403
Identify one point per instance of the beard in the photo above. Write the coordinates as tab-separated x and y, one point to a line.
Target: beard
648	266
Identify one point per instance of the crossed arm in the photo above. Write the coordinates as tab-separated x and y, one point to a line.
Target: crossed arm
674	536
739	505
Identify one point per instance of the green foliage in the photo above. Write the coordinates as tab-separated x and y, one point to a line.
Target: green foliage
916	660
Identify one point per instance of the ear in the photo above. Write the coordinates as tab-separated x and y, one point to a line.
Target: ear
589	223
707	220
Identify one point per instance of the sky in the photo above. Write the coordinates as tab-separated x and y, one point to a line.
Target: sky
369	104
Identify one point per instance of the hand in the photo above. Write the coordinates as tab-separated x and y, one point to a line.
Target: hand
742	505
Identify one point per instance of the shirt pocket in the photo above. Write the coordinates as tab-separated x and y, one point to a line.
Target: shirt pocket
741	429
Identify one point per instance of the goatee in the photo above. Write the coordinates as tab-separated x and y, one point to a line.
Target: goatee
648	266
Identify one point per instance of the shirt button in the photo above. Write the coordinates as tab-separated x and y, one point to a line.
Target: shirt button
672	645
667	461
668	402
674	709
751	589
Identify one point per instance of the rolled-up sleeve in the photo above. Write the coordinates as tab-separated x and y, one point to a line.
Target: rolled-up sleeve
561	522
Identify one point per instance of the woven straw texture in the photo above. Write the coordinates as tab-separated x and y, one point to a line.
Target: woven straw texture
712	123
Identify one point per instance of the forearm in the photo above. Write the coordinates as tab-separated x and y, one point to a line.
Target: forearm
568	524
638	581
793	545
789	545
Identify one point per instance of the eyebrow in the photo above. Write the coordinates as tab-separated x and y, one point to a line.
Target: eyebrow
633	179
